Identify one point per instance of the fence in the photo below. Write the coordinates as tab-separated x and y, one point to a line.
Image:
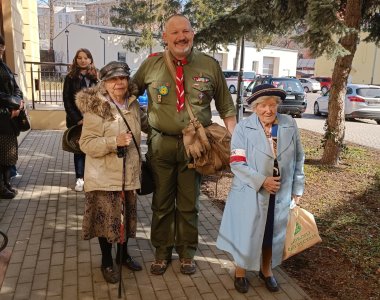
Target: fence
46	82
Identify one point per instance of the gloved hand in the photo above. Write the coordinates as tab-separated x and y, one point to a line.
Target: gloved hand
195	139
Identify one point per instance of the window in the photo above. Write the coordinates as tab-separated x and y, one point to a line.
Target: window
255	66
268	64
122	56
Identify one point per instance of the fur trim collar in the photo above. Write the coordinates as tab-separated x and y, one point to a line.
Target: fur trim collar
94	100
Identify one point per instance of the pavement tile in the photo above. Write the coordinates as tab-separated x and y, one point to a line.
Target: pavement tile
51	261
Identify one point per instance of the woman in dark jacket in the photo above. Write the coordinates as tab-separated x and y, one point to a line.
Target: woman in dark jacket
10	105
82	75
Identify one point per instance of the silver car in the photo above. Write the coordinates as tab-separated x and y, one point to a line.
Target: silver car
310	85
361	101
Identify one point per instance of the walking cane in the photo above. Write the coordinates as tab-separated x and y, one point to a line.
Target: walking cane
123	232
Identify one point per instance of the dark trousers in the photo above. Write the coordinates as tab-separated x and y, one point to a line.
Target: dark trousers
79	160
5	177
106	249
175	203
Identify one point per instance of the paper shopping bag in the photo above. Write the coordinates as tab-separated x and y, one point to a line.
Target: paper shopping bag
301	232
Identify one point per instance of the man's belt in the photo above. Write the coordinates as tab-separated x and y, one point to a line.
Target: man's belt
179	136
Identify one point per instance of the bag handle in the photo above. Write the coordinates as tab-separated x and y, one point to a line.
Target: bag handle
169	64
129	128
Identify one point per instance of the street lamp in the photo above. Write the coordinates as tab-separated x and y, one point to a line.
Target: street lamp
67	45
104	49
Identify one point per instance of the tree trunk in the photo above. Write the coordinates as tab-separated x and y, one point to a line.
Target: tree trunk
237	55
51	29
335	124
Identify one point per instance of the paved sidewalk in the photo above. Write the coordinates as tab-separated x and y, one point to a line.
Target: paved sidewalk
49	260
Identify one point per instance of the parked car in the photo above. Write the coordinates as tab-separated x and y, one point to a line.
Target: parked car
310	85
325	83
232	79
361	101
295	103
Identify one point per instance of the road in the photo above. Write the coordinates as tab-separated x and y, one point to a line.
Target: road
362	132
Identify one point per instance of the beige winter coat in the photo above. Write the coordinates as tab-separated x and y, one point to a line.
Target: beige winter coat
101	124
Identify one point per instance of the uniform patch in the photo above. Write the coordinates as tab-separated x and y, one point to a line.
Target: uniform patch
201	79
238	155
154	54
163	90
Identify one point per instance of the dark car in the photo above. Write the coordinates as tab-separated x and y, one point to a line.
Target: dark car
295	103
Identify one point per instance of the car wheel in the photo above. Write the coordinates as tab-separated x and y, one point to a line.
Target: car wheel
232	89
306	89
316	109
324	90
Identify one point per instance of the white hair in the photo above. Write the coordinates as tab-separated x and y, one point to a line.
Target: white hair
262	99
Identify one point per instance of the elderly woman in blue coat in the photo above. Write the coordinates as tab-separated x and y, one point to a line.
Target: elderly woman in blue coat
267	160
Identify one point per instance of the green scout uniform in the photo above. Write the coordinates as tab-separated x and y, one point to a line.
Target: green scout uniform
175	199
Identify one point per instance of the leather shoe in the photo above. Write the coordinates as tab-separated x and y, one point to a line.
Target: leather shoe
241	284
110	274
270	282
7	194
131	264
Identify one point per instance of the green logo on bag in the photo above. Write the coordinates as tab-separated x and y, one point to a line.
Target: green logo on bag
298	228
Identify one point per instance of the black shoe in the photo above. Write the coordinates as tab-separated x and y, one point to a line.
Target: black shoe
110	274
10	188
7	194
270	282
241	284
131	264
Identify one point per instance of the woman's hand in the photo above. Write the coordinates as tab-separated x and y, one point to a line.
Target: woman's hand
124	139
296	198
272	184
15	113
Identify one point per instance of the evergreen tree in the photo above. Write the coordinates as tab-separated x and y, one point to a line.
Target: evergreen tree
143	19
332	28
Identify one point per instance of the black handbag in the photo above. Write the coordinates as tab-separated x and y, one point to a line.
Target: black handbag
22	121
146	176
147	182
70	139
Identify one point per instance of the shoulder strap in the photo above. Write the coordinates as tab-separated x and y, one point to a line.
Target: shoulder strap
129	128
169	64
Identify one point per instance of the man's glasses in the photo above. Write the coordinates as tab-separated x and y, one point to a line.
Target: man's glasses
2	47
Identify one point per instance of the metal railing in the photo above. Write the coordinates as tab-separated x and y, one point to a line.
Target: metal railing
46	82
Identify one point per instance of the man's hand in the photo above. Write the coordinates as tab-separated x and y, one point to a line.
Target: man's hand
272	184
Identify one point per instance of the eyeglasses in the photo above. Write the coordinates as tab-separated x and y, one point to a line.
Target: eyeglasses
2	47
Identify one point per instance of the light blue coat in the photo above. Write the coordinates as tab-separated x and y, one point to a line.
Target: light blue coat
242	229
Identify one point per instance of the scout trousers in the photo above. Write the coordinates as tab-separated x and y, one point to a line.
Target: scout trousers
175	203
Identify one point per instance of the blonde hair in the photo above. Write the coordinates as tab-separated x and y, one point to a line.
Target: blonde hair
262	99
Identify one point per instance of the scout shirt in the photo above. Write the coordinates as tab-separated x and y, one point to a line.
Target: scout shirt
203	81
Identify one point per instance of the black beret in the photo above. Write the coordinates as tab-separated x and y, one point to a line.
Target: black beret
265	90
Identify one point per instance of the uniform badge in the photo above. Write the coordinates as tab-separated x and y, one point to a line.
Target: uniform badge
163	90
201	79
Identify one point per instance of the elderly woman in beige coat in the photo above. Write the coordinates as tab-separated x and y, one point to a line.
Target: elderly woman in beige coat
104	132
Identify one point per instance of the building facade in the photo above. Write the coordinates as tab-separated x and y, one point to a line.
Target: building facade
365	66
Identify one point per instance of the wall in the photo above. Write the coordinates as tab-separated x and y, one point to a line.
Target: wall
81	36
365	66
285	60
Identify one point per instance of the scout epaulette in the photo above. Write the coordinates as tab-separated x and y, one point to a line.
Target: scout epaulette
155	54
